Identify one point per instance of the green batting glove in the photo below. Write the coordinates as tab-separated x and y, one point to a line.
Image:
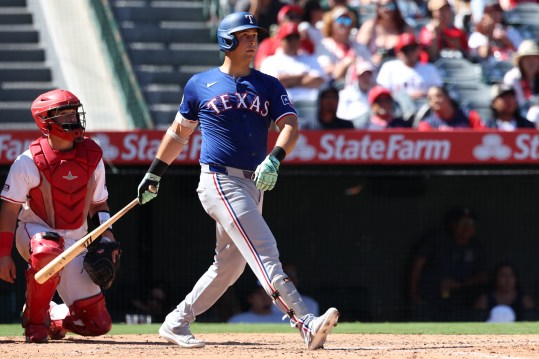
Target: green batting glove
148	187
266	173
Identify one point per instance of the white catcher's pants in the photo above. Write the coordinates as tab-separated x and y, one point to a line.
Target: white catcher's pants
242	237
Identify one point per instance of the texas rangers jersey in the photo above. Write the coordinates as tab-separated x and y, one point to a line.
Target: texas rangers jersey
234	115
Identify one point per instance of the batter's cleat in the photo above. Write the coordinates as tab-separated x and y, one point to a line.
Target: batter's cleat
182	337
36	333
316	329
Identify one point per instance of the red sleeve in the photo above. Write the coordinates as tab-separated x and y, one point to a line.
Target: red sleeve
475	120
307	46
425	36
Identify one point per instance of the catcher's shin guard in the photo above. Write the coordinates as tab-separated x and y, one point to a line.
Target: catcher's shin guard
287	298
44	247
35	318
89	317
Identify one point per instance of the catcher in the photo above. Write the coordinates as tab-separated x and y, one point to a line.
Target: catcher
53	188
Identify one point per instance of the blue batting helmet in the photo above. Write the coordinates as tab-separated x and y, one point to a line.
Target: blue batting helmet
232	23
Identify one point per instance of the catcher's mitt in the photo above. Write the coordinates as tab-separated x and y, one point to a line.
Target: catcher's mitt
98	263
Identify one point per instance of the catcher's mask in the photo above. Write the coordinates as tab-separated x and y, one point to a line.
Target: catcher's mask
48	111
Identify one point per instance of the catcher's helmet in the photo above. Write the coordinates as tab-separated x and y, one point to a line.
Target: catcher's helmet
46	107
232	23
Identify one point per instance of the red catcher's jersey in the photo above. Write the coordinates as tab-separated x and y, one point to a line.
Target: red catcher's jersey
63	196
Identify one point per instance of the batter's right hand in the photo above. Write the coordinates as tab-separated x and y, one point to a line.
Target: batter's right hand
7	269
148	187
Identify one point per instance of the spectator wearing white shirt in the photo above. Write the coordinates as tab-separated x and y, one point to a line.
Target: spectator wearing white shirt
406	74
353	98
301	75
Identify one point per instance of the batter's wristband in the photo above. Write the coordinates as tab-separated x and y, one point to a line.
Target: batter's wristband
158	167
6	243
279	153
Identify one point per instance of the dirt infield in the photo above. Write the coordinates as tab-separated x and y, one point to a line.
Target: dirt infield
275	346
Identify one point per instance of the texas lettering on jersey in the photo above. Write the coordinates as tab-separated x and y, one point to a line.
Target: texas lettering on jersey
238	101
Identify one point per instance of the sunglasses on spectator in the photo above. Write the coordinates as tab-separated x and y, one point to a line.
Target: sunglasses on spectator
344	20
388	7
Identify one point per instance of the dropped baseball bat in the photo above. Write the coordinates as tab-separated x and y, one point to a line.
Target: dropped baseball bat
67	256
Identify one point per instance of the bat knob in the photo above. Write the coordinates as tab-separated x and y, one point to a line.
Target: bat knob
152	188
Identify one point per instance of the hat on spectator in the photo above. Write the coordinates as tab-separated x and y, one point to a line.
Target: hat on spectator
500	89
363	66
287	29
501	314
435	5
405	39
376	92
289	11
526	48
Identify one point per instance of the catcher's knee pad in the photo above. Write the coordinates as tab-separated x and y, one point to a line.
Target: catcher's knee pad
44	247
89	317
38	297
287	298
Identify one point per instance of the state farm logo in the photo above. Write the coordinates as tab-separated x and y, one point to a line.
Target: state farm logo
492	146
303	150
110	152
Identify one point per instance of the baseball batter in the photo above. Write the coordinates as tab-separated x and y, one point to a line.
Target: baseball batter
234	105
51	188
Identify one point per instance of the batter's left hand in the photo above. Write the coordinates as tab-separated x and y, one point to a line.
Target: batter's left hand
266	173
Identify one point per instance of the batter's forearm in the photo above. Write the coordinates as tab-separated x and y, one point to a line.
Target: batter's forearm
169	150
287	138
174	140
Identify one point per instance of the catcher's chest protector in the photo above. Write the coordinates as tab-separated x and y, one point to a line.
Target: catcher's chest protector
63	196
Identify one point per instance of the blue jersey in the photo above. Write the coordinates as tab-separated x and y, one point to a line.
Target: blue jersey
234	115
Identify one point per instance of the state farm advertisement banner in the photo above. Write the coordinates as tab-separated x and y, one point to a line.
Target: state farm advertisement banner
322	147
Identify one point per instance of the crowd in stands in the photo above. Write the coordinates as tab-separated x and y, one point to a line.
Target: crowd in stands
420	64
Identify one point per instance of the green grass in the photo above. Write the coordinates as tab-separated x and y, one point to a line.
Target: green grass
342	328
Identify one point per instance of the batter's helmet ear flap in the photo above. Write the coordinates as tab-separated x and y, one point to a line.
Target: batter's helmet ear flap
227	43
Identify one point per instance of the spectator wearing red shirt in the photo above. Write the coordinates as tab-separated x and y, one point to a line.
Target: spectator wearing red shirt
267	47
440	33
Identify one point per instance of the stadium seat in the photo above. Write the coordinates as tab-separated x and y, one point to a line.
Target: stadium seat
495	71
523	14
458	70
